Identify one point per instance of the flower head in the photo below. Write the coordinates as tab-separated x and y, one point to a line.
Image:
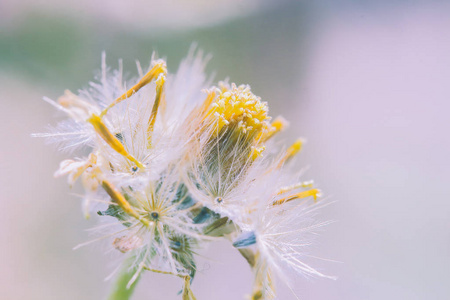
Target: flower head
174	163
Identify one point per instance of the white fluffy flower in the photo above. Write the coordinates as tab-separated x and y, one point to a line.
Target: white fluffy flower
175	162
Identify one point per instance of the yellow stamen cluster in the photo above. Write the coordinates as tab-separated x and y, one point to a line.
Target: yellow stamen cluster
238	104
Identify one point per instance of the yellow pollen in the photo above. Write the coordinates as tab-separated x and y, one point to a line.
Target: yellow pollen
110	139
159	67
291	152
70	100
277	125
304	184
257	152
239	105
118	198
315	193
159	96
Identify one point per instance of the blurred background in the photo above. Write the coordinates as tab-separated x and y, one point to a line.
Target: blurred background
367	83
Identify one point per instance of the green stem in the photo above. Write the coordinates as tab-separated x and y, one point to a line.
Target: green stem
119	289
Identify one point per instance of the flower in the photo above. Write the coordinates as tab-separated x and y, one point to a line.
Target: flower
223	155
159	225
175	163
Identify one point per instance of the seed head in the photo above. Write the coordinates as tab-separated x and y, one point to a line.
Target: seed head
173	169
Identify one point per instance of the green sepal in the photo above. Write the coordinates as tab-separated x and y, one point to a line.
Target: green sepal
246	239
116	212
182	251
220	227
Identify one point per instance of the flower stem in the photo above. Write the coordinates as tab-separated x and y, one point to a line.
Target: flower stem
119	290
